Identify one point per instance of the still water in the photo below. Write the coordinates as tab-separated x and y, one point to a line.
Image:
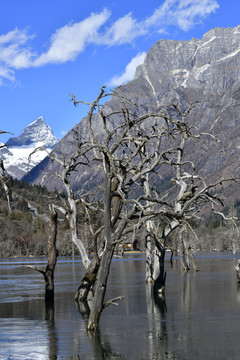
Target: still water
199	319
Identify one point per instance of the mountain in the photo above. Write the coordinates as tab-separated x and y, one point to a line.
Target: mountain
15	155
206	70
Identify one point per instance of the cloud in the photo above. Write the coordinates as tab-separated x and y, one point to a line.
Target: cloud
15	36
14	53
6	73
122	31
69	41
129	72
184	14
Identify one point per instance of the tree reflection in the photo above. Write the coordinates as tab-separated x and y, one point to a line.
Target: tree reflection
101	349
156	309
83	309
49	316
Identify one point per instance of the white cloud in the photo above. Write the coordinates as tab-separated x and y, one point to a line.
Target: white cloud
129	72
122	31
69	41
15	36
182	13
6	73
14	53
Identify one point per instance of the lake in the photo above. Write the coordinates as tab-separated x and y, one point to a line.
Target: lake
199	318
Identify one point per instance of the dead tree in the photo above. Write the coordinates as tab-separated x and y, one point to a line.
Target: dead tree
118	152
187	193
69	208
48	273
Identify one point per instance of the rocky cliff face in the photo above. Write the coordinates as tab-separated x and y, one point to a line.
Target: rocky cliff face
207	70
15	155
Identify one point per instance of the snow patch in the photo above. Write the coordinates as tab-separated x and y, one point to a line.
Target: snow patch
179	75
236	52
150	83
207	42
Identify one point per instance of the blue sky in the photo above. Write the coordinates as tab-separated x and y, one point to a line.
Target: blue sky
51	48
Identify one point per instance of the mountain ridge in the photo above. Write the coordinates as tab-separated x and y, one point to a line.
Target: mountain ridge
205	70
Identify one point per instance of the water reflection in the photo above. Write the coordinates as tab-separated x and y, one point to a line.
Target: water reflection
102	350
157	329
49	317
199	318
83	308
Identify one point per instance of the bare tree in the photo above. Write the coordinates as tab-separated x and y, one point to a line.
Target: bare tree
187	195
129	154
69	207
118	152
132	152
48	273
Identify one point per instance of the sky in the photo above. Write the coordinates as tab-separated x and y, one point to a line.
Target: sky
51	48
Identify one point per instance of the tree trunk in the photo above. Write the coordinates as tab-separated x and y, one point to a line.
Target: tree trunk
183	252
75	238
149	258
52	257
107	255
88	281
101	285
159	273
186	252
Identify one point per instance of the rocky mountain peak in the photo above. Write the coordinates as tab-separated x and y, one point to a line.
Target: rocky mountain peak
16	154
194	64
36	132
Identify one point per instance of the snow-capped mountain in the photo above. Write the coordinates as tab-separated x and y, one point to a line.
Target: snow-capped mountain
16	154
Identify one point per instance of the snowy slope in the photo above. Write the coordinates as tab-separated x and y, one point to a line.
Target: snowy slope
16	154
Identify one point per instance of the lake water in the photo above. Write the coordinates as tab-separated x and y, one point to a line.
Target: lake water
199	319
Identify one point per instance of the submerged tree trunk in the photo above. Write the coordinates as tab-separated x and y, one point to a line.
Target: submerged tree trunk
159	273
48	273
107	255
155	269
186	251
52	257
155	259
183	252
100	290
149	258
88	281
